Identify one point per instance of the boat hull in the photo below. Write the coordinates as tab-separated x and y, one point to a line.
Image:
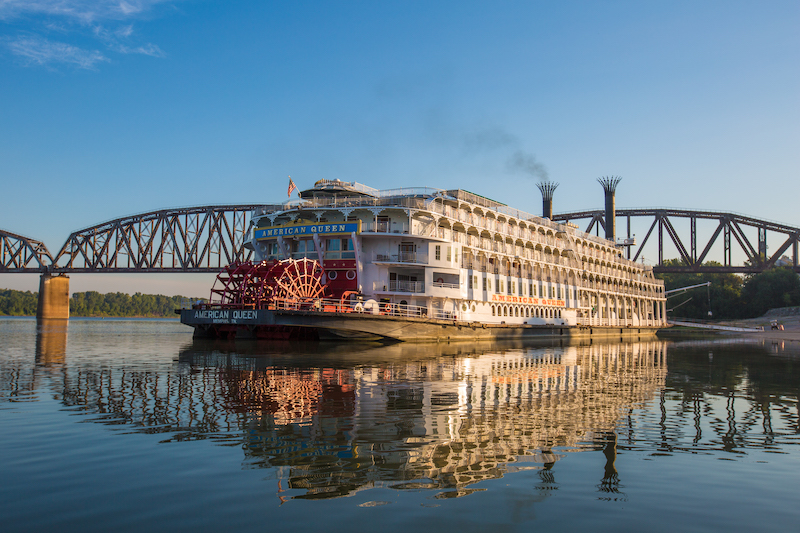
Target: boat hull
313	325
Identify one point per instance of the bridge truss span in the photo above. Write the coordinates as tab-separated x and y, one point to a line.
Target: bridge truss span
208	238
727	234
196	239
22	254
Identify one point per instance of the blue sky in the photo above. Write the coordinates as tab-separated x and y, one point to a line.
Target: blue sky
110	108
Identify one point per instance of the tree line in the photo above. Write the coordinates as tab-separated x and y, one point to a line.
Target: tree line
731	295
92	303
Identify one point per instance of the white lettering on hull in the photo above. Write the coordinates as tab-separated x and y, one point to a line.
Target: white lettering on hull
226	316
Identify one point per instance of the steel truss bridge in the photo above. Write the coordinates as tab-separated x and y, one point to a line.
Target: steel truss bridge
206	239
729	228
196	239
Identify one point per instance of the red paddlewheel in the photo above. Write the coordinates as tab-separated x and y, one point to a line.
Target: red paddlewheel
258	285
243	284
299	280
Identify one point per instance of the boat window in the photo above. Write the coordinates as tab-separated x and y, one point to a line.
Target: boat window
348	251
383	224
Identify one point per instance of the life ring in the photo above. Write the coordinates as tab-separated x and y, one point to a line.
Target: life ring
439	280
359	307
387	308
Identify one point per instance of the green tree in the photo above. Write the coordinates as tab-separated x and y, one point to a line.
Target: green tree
722	299
91	303
776	287
18	303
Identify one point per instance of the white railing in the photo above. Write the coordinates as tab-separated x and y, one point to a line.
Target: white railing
403	286
385	227
405	257
617	322
329	305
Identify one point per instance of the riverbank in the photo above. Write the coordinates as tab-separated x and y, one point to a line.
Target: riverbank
790	332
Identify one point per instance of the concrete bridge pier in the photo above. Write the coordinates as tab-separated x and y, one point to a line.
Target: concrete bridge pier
53	297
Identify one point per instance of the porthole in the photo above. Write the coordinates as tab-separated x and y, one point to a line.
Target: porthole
331	274
351	275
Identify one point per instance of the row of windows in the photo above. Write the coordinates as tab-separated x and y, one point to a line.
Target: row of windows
522	289
525	312
337	248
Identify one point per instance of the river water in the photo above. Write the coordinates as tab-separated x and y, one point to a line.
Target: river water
130	425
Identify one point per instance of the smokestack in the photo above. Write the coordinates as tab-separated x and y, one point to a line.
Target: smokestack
547	188
609	184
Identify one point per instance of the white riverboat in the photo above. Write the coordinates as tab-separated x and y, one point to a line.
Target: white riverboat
350	261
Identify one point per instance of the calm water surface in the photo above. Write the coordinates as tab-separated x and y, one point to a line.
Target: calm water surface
129	425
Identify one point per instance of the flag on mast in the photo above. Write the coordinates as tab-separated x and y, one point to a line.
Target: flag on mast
292	186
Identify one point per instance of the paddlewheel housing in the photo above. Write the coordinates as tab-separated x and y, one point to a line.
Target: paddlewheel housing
259	285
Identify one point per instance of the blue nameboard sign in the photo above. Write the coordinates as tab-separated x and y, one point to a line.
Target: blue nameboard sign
339	228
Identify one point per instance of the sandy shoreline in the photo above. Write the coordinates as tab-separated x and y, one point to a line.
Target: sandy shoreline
791	331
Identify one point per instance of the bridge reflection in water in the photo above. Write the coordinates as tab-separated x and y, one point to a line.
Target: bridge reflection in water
51	342
403	416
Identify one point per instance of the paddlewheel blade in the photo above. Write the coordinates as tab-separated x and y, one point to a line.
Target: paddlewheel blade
258	285
299	281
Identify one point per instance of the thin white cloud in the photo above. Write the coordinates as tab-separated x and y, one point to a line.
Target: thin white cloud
39	51
118	40
148	50
83	10
124	31
108	21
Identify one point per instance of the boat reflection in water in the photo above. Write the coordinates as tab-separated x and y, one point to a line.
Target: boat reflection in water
605	436
427	417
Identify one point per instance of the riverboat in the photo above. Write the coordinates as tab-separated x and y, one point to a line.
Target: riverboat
346	261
